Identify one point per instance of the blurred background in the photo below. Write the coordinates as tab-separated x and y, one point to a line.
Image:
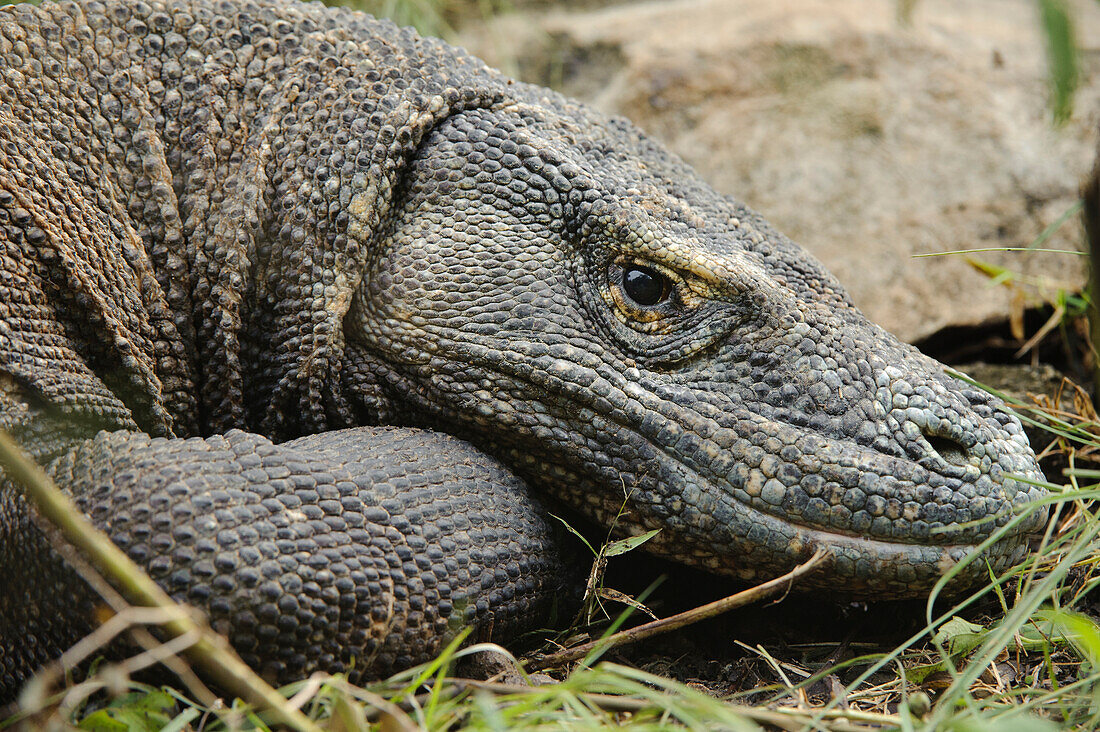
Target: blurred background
869	131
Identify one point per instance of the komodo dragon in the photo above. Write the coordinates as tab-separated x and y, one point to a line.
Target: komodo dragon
381	290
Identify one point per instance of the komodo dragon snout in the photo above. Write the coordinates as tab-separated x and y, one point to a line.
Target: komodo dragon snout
586	309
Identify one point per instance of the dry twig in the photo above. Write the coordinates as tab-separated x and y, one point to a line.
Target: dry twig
657	627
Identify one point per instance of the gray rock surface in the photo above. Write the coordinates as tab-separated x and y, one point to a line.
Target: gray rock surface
866	138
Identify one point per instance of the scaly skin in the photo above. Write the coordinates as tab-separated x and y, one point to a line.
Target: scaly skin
288	220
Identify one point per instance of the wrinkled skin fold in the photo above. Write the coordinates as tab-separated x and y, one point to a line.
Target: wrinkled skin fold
276	229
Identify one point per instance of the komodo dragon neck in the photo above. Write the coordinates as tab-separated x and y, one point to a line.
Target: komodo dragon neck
249	176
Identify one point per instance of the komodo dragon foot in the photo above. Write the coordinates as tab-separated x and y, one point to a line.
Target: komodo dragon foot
362	550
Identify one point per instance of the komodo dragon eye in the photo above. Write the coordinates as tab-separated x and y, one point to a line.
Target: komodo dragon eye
645	297
645	286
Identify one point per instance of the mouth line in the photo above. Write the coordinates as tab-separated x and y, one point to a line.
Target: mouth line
756	544
842	463
826	534
953	538
870	538
858	561
829	537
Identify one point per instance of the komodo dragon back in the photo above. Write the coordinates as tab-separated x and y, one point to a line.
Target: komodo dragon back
312	315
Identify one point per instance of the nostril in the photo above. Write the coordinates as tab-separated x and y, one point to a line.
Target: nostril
951	451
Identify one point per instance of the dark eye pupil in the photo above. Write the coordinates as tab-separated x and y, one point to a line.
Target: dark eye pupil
644	286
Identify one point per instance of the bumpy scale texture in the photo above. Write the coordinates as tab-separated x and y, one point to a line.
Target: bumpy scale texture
248	222
354	549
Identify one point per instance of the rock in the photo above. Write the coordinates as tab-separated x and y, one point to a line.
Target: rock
865	137
499	667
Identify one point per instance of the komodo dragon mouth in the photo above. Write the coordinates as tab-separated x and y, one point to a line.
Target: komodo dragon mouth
896	512
743	495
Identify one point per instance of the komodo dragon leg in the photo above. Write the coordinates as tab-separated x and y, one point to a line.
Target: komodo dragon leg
360	550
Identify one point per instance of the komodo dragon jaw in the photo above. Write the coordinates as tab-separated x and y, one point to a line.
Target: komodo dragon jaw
750	412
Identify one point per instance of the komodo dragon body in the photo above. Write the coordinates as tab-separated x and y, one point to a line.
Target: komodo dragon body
312	243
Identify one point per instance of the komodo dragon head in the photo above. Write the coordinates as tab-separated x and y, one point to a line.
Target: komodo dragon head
563	292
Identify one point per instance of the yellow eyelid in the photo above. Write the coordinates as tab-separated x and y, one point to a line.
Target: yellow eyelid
702	276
